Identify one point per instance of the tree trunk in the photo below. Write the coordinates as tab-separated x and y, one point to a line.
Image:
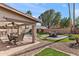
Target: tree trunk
77	41
69	10
73	17
70	16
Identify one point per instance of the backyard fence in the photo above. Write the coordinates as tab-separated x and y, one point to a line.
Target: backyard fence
61	30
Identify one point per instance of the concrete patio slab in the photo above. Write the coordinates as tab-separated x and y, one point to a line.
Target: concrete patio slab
15	50
58	37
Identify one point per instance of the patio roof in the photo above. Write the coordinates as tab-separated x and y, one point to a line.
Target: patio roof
18	12
9	15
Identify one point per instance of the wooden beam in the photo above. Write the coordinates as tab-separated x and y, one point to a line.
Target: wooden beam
8	27
16	20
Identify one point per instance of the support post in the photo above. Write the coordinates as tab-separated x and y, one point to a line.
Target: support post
34	33
18	31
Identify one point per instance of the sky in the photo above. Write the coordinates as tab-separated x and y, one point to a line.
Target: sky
38	8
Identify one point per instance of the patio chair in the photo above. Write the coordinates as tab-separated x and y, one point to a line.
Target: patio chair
11	39
20	37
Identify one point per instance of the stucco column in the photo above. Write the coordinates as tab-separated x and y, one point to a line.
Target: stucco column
18	30
34	33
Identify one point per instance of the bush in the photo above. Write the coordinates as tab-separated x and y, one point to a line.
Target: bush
72	45
71	37
52	35
41	33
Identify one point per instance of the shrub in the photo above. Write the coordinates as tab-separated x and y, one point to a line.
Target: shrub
71	37
41	33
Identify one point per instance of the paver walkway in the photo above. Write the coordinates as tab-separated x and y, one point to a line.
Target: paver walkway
61	46
64	46
34	49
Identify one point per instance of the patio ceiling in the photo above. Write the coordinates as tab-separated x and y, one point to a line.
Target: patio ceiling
8	19
9	14
8	22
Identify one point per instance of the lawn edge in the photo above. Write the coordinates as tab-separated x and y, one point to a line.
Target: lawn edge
40	50
70	54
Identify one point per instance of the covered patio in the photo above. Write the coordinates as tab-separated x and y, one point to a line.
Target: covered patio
14	22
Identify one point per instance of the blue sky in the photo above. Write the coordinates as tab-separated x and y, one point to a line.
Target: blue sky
38	8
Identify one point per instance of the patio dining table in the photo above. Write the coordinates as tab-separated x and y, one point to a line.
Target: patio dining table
13	37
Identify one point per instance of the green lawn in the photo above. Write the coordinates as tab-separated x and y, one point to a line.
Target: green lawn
74	35
62	40
50	52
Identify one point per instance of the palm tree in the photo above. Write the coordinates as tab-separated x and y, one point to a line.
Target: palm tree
77	41
73	17
50	18
77	22
69	10
65	22
29	12
70	16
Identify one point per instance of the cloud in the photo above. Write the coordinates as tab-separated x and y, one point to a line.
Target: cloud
36	8
77	12
63	5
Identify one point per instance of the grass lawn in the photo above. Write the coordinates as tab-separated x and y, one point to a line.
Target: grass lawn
50	52
44	36
74	35
62	40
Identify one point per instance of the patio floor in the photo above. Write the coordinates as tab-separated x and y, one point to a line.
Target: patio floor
26	41
15	50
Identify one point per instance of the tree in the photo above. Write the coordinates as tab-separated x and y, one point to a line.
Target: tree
77	22
69	10
70	16
29	12
50	18
73	17
65	22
